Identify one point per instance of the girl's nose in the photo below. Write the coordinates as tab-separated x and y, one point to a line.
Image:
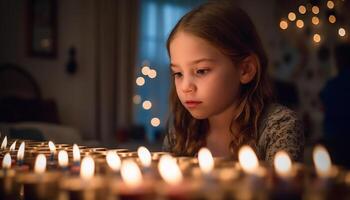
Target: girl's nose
188	85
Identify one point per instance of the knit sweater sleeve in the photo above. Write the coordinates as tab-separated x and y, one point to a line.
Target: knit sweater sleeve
283	131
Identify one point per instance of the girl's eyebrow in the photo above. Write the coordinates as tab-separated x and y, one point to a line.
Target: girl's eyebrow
172	65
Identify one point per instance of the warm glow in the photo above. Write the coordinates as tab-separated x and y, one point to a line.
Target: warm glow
330	4
13	146
4	143
144	156
52	147
145	70
292	16
140	81
169	170
147	105
206	161
247	159
315	10
283	164
136	99
76	153
300	23
283	24
155	122
131	173
63	158
315	20
40	164
152	73
20	153
113	160
6	162
317	38
302	9
342	32
322	161
332	19
87	168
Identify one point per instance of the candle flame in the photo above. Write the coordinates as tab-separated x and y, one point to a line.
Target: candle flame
76	153
63	158
131	173
13	146
145	156
322	161
205	159
52	147
87	169
40	164
169	170
113	160
283	164
6	162
4	143
248	159
20	153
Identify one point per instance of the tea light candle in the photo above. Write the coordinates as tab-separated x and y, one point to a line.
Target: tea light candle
175	186
285	186
324	183
76	160
52	151
40	184
133	186
113	161
4	144
63	160
9	190
13	146
145	159
85	187
253	183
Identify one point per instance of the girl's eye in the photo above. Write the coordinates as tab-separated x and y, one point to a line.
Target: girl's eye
202	71
177	74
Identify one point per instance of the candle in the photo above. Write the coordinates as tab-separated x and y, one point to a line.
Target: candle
113	161
206	161
85	187
63	160
76	160
9	189
13	146
175	187
132	185
285	185
252	184
52	151
145	159
4	143
40	184
324	184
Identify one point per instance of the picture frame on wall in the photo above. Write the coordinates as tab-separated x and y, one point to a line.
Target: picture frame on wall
42	28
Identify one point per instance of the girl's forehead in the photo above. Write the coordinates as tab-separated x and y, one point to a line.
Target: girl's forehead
189	47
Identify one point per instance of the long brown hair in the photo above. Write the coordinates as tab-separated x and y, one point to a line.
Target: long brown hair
229	29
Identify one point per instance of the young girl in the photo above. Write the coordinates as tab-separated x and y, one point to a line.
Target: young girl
220	96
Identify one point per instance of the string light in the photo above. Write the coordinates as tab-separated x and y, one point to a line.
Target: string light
332	19
330	4
155	122
152	73
283	24
140	81
292	16
317	38
315	20
145	69
341	32
147	105
302	9
300	23
315	10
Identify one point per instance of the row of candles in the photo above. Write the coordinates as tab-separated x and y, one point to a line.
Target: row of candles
44	170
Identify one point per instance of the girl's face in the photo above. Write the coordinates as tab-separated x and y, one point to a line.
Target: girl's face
207	81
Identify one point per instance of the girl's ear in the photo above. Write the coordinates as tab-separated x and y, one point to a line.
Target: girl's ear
248	68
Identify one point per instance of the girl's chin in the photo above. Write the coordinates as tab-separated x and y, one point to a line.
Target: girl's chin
198	115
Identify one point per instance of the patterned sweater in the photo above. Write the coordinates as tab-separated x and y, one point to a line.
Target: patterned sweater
279	129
